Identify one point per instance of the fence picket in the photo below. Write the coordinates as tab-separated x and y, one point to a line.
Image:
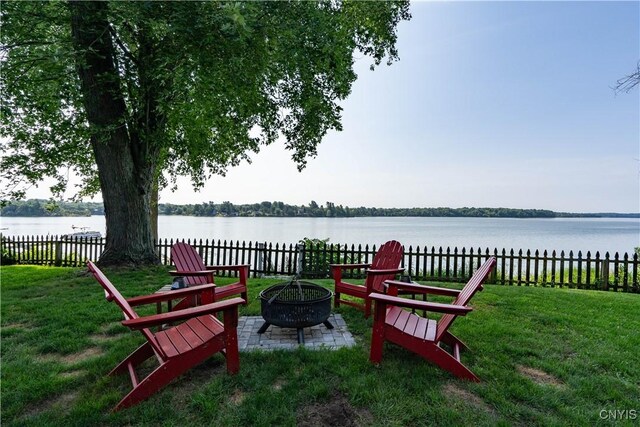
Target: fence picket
579	282
570	269
528	268
616	271
605	272
511	256
410	265
588	270
598	282
635	267
455	262
625	273
520	267
536	264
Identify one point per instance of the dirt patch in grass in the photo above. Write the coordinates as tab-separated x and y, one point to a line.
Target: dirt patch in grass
48	357
237	398
193	380
336	412
278	384
112	328
539	377
63	401
87	354
102	338
451	389
72	374
19	326
71	359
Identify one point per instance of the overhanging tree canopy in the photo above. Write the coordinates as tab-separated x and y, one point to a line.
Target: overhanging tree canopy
129	94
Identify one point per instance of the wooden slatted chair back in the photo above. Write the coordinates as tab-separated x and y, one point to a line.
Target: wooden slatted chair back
389	256
112	294
473	285
186	258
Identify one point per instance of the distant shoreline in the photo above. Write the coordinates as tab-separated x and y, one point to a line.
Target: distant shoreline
43	208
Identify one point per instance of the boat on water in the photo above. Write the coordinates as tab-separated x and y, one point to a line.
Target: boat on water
84	233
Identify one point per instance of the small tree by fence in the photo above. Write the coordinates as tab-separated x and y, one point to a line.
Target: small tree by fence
311	259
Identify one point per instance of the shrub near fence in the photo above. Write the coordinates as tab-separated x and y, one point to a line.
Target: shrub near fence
311	258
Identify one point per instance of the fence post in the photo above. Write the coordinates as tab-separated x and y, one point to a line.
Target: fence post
58	253
604	273
636	269
261	259
299	264
493	276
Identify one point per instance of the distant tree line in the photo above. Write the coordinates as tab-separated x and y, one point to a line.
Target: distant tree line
331	210
37	207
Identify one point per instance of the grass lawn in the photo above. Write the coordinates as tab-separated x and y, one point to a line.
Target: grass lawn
545	357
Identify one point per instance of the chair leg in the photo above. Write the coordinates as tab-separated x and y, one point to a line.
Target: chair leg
231	351
451	340
245	296
156	380
141	354
336	299
168	371
377	342
446	361
367	307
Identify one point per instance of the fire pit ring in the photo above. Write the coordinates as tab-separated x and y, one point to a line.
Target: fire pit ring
295	304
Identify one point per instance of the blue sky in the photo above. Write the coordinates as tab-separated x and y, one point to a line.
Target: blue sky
501	104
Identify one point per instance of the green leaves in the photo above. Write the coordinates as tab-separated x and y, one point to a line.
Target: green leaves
42	129
204	83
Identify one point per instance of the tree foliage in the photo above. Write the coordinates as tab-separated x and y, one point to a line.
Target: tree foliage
218	80
129	94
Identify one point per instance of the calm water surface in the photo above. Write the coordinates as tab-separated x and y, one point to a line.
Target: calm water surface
585	234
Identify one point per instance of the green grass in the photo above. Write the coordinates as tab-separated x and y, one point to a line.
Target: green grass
60	338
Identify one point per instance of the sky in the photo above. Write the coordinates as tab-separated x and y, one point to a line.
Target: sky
492	104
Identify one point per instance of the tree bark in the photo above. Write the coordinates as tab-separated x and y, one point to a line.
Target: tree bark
154	211
124	168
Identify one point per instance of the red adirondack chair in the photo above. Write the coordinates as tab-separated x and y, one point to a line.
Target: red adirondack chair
189	265
177	348
385	266
421	335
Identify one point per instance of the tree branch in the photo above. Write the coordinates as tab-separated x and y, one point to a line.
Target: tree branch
626	84
121	45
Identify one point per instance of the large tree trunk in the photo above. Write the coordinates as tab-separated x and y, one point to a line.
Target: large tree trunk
125	166
154	211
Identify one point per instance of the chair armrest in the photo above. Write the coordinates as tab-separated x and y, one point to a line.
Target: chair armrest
241	269
386	271
336	270
191	273
417	288
349	266
187	313
227	267
459	310
170	295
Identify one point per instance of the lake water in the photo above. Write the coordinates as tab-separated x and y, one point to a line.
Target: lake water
585	234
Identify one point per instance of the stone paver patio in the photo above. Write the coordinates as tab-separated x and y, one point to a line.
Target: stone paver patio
315	337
